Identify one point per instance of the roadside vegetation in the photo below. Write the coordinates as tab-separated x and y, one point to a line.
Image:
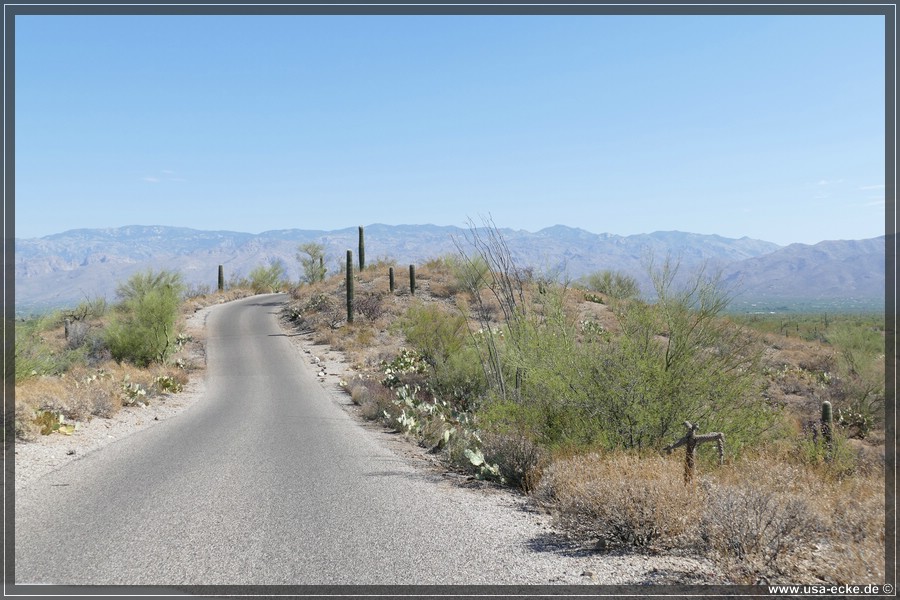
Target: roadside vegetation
90	361
571	392
568	391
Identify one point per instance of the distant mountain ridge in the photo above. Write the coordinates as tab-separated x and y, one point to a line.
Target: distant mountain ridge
65	268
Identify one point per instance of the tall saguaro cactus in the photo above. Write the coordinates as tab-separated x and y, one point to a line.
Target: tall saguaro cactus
391	278
362	249
691	440
349	286
221	278
412	280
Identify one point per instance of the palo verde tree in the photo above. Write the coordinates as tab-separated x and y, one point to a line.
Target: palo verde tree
678	359
268	279
142	326
312	259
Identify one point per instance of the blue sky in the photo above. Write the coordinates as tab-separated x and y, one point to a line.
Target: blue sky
770	127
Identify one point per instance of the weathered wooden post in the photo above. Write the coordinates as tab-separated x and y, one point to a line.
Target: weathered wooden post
391	278
412	280
691	440
349	286
221	278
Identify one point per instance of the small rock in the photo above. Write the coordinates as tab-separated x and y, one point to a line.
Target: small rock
70	452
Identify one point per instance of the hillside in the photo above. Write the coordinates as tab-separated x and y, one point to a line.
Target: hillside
850	271
65	268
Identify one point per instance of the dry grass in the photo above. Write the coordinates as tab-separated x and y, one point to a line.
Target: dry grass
764	519
84	393
622	500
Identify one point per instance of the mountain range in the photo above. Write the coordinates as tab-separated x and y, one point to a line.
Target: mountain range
66	268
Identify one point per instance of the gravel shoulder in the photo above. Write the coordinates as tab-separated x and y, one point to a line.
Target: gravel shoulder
556	560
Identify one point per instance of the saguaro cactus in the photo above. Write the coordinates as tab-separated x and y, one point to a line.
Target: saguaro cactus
412	280
349	286
221	278
362	249
391	278
691	440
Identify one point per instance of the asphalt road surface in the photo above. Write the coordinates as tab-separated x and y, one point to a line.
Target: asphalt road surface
265	480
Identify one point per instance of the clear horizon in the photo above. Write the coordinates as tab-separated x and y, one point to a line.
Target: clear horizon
767	127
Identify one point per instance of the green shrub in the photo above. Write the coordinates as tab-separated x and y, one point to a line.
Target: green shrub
142	329
861	368
434	332
614	284
460	378
268	279
470	274
34	356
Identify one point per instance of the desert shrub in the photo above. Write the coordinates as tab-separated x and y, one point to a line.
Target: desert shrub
197	290
371	306
142	330
39	351
32	358
518	458
433	331
754	530
853	509
268	279
622	500
614	284
760	522
373	398
861	367
359	394
459	378
470	274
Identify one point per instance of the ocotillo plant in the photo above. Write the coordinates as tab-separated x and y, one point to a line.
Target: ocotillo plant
691	440
221	278
412	280
391	278
827	426
362	249
349	286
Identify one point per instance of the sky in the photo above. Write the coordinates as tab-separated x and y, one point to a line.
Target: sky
770	127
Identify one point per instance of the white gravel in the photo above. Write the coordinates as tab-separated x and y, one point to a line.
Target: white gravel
557	560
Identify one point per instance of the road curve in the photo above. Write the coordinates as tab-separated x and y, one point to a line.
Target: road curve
264	481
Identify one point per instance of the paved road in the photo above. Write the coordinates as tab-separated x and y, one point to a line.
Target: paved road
266	480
